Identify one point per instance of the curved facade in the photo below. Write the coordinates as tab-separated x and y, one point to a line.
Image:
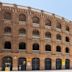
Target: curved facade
32	39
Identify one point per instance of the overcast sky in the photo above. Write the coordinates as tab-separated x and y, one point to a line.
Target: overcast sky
59	7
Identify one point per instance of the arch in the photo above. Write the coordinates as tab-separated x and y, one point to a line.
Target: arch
48	35
48	22
22	31
36	33
58	37
67	50
22	45
58	63
22	17
67	39
58	48
7	30
35	46
7	63
22	63
7	45
35	19
35	64
67	64
47	64
47	47
58	25
7	15
67	28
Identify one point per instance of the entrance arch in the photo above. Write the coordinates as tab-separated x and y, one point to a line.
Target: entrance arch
7	63
22	64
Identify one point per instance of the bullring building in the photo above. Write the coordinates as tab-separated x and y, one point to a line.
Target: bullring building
33	39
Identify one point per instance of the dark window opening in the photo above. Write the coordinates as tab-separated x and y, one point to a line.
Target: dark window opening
7	45
36	33
67	39
67	50
22	45
35	46
58	37
48	23
67	28
48	35
48	48
58	49
58	26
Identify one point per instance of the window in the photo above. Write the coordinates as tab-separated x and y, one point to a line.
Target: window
22	17
7	15
58	64
35	46
7	63
35	64
47	64
22	64
7	30
67	28
67	39
58	37
35	19
7	45
48	35
36	33
58	25
48	22
48	48
22	31
67	64
58	48
22	45
67	50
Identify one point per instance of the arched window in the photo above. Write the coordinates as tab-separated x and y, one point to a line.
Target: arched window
58	25
22	31
48	35
7	30
48	64
67	64
67	28
7	45
48	22
22	63
35	64
7	15
36	19
58	37
22	45
35	46
67	50
58	64
67	39
7	63
36	33
58	48
48	47
22	17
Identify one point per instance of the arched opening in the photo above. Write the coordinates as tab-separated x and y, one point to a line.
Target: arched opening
22	45
7	63
36	19
47	35
35	64
58	48
67	28
7	15
58	25
7	45
22	17
7	30
67	64
67	50
67	39
22	31
48	22
47	64
22	64
35	46
58	64
47	47
58	37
